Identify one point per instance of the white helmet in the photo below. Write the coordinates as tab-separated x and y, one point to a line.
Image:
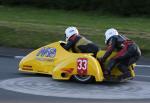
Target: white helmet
71	31
109	33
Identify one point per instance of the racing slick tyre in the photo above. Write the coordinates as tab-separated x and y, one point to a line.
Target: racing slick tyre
83	79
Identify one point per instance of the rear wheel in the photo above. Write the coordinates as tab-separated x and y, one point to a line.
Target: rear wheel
83	79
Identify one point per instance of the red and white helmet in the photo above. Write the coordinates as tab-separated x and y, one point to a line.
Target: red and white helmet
70	31
109	33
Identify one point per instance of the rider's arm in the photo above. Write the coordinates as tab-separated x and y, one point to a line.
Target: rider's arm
71	42
69	45
110	48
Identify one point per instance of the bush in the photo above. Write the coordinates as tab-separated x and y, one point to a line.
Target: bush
121	7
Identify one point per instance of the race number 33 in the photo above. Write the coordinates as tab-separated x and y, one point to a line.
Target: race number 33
82	66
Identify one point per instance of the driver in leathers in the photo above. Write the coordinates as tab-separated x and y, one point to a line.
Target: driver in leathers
78	43
128	52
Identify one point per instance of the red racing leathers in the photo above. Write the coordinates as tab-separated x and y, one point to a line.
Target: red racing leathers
127	53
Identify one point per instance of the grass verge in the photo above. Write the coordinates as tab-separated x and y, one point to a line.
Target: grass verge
24	27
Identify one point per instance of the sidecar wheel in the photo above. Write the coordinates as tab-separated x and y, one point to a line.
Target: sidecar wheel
83	79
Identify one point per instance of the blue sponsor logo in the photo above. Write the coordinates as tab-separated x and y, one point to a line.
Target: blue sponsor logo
71	31
47	52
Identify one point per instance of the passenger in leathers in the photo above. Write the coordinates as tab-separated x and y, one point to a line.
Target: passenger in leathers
128	52
78	43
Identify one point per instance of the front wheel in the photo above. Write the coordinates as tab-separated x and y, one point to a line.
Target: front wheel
83	79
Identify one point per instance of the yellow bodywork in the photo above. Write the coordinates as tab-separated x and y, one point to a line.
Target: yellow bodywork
61	62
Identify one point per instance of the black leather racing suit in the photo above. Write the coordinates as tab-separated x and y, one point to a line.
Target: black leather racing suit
80	44
127	53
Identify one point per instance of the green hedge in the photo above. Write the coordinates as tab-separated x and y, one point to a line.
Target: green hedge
121	7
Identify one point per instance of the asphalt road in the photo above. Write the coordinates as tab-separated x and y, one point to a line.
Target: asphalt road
9	69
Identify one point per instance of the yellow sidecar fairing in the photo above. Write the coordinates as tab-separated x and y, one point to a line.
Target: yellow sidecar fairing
54	60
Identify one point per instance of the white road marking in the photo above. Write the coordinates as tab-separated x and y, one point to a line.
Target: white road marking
47	87
144	76
19	57
145	66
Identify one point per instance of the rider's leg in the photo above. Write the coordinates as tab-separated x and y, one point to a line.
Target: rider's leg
111	65
130	57
124	69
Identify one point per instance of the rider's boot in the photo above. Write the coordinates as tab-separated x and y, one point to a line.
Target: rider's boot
126	72
106	74
125	76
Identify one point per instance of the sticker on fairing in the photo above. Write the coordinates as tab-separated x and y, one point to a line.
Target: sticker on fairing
46	53
82	66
